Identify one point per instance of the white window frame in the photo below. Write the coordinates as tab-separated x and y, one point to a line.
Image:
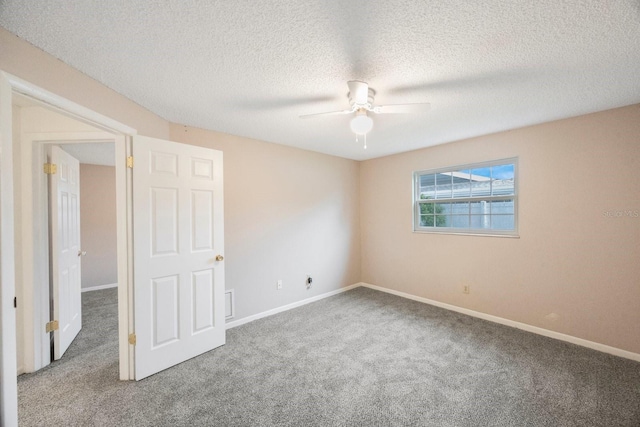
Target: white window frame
417	228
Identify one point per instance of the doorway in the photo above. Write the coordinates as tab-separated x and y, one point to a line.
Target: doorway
82	235
177	193
37	127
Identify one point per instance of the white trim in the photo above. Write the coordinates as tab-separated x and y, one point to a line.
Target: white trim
8	363
289	306
124	242
453	233
66	107
512	323
99	287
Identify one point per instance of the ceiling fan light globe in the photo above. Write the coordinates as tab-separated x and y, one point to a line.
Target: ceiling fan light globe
361	124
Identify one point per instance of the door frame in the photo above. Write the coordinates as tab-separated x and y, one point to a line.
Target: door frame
35	235
8	381
8	378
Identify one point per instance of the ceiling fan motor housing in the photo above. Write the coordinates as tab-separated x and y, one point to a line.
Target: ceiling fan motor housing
370	96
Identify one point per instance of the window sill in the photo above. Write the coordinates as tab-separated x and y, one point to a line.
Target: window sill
459	233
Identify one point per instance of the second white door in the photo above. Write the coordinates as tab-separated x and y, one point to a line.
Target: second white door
65	248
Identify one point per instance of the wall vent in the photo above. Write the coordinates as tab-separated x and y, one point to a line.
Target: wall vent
229	304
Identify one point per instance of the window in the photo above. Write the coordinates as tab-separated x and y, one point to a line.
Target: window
471	199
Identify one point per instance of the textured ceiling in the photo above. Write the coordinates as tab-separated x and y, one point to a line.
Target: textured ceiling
252	67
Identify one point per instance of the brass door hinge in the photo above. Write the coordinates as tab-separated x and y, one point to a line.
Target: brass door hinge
50	168
132	339
52	326
130	162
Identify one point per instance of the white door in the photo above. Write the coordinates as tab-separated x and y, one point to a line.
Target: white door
65	249
178	244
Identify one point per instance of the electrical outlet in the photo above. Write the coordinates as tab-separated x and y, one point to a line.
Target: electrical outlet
466	289
279	285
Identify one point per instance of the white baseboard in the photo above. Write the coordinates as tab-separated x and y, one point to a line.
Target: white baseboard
525	327
512	323
99	287
288	306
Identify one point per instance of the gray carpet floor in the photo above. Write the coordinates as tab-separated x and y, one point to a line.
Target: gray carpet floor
361	358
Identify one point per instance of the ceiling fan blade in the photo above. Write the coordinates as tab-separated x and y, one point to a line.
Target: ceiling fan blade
330	113
358	91
402	108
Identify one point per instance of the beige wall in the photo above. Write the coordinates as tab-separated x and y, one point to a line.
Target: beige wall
570	258
288	213
98	225
29	63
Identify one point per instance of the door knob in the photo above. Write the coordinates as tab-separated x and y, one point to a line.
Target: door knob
82	253
219	257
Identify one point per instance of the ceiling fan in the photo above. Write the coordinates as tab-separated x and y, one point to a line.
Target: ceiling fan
361	98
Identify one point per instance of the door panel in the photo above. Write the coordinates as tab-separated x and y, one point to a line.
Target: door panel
178	231
202	220
164	298
164	217
65	249
203	301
